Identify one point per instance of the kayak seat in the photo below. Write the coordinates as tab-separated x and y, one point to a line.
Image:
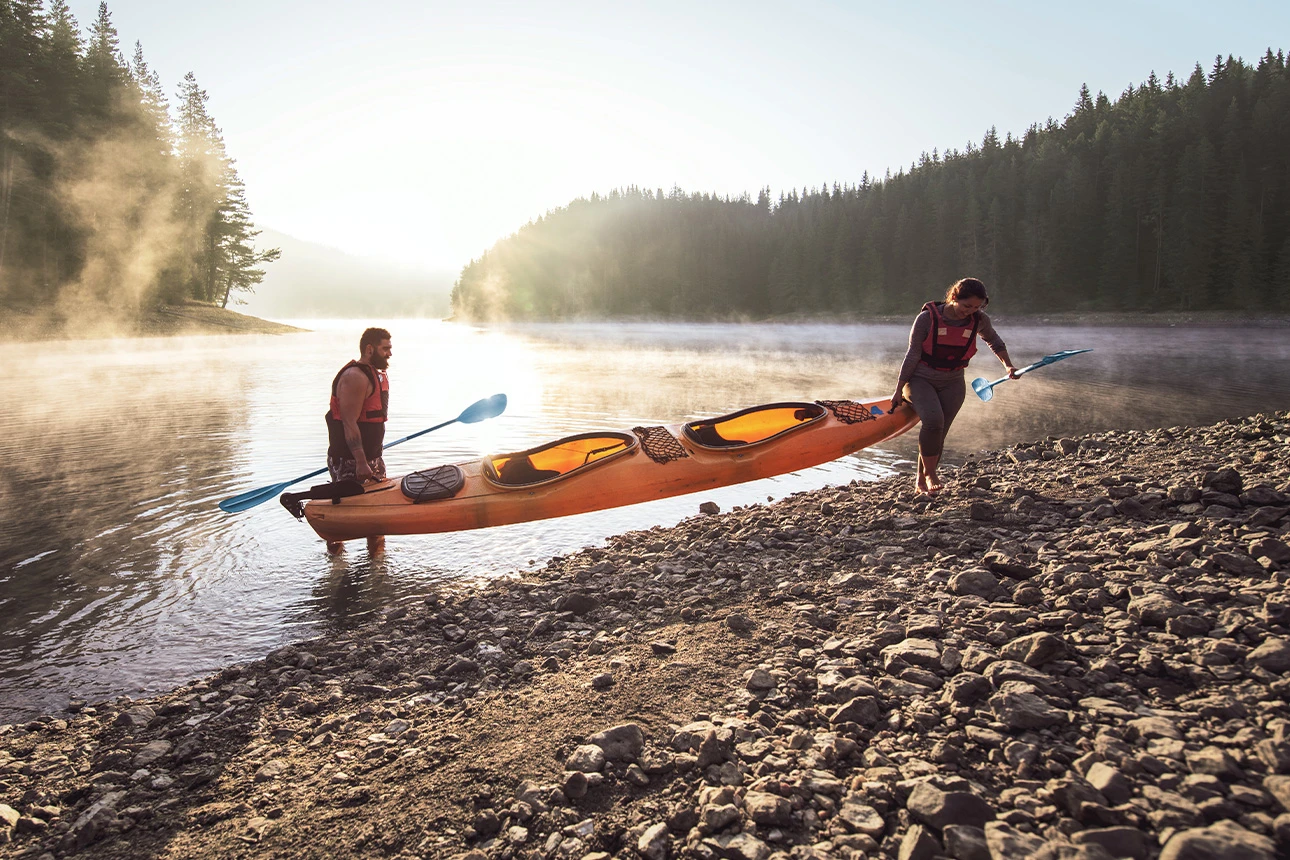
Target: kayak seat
556	459
750	426
428	485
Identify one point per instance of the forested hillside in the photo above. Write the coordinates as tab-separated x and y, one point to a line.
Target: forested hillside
1173	196
108	203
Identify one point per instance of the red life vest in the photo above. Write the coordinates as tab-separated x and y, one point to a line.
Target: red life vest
948	347
371	417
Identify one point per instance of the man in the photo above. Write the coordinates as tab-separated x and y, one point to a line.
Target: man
360	403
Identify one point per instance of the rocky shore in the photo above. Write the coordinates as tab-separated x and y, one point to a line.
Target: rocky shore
1080	650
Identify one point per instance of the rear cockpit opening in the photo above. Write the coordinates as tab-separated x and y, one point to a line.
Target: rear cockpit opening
557	459
751	426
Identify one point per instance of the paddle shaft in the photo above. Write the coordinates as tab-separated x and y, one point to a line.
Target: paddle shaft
489	407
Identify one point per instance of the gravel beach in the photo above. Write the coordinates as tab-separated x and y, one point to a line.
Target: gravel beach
1081	649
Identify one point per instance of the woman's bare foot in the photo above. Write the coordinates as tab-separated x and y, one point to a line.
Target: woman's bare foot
934	485
920	483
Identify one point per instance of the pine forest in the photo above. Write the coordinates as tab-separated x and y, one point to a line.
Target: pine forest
109	198
1175	196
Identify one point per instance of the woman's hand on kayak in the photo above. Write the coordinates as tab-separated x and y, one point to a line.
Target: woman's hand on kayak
896	400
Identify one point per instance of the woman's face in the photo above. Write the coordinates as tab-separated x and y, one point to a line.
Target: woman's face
967	305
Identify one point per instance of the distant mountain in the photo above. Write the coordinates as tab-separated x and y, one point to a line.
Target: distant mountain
312	280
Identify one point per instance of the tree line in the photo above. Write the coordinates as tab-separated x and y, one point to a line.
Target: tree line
107	200
1173	196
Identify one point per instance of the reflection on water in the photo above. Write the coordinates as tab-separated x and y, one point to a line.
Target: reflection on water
119	574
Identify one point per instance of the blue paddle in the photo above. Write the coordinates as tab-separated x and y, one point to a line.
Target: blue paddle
985	390
489	407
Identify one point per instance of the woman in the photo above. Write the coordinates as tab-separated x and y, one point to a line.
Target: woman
941	343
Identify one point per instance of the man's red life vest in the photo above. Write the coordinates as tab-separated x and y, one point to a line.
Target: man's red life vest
948	347
371	417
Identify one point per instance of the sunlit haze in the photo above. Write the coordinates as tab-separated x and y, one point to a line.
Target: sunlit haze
421	132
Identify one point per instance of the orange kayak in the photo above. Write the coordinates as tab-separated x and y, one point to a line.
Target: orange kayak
594	471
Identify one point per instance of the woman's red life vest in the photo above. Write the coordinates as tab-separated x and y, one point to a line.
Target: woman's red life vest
371	417
948	347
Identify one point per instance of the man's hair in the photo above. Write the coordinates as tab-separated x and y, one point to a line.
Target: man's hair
372	336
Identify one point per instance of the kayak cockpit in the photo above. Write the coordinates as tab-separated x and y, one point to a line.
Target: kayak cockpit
557	459
752	426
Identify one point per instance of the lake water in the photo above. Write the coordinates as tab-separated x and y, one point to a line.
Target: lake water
118	574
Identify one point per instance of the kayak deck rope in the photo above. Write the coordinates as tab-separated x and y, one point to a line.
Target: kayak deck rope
848	411
660	445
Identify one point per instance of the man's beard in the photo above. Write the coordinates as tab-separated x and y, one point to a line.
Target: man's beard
380	362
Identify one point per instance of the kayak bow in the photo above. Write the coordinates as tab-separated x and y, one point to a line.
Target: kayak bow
594	471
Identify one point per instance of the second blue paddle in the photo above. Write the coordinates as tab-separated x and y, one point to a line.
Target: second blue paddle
985	390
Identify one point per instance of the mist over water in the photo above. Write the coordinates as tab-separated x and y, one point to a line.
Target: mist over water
118	574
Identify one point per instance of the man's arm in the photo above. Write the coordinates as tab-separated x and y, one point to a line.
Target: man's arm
351	391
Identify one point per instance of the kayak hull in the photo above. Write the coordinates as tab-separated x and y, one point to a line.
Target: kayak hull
628	477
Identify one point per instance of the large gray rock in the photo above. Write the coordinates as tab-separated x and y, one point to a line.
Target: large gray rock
860	817
913	652
1118	841
588	758
976	581
1034	650
1155	609
767	809
1273	655
966	688
937	808
1026	711
1225	840
863	710
621	743
1279	787
963	842
919	844
1008	843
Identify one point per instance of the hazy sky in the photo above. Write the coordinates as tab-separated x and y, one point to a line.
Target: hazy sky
422	132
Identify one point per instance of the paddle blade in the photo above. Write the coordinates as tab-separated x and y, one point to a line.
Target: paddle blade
489	407
251	498
983	388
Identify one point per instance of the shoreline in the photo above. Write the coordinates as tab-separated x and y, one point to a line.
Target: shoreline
188	319
1083	645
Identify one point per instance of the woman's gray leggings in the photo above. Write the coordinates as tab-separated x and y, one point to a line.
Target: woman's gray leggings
936	402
